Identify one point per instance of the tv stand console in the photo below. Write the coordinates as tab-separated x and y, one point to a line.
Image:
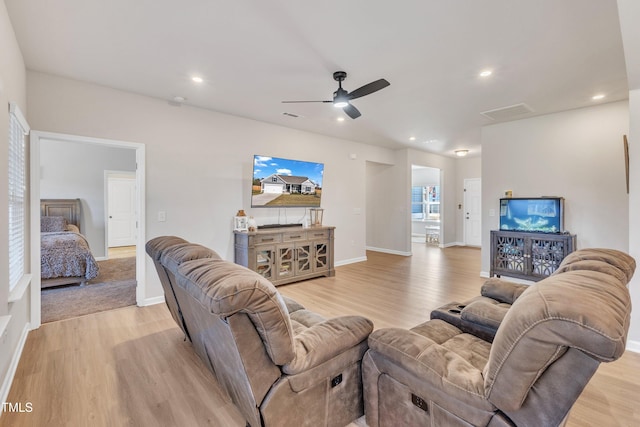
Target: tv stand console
287	254
528	255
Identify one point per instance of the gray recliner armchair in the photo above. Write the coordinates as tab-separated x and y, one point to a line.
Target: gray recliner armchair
279	363
547	347
155	248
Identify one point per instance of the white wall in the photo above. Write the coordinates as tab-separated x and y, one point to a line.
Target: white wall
634	212
629	11
384	209
70	170
198	164
575	154
12	89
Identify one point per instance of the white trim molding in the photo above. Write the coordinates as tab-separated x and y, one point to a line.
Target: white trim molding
633	346
18	291
350	261
13	366
388	251
151	301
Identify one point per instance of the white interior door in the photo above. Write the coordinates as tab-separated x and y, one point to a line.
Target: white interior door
473	212
121	209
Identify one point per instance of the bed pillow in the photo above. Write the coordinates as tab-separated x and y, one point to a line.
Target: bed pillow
49	224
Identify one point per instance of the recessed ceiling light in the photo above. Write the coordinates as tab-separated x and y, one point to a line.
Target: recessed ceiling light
197	79
461	153
486	73
597	97
179	99
340	119
412	138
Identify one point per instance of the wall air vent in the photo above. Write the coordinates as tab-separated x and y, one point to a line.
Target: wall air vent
507	113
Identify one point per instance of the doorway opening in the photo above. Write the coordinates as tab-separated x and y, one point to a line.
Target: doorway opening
50	179
426	214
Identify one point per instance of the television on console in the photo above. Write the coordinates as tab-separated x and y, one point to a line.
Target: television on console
285	183
539	214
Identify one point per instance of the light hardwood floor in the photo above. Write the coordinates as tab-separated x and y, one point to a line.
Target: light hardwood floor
130	366
122	252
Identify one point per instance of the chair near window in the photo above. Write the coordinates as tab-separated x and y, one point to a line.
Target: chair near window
432	229
432	233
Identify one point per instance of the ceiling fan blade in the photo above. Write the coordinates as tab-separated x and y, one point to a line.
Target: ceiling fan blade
298	102
369	89
352	111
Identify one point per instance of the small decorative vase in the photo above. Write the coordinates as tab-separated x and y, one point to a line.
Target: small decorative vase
252	224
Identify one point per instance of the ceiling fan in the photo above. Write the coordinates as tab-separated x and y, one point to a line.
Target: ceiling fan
342	98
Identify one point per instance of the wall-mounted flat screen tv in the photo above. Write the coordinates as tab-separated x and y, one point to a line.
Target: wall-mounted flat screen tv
285	183
540	214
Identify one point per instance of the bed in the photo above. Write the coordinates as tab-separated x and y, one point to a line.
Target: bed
64	252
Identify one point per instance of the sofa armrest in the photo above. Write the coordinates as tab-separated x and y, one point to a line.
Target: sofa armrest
325	340
486	311
502	290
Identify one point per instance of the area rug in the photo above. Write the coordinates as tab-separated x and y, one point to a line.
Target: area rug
114	287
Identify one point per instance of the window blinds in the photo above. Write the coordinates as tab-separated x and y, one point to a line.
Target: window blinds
18	129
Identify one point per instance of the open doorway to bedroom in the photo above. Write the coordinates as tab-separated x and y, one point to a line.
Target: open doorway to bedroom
80	168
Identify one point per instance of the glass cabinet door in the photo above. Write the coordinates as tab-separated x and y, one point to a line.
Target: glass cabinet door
286	261
510	254
303	259
321	256
264	261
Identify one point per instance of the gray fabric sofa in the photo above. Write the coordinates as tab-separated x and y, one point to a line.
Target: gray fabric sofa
155	248
547	346
279	363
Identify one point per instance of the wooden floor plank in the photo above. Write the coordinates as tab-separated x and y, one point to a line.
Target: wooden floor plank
131	366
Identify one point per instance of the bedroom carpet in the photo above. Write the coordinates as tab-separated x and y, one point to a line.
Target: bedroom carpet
114	287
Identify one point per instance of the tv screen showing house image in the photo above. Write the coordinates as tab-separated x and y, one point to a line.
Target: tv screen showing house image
279	183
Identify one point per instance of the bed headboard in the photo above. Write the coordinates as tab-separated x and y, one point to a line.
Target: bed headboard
68	208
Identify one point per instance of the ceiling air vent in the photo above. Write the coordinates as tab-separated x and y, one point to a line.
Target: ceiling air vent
506	113
290	115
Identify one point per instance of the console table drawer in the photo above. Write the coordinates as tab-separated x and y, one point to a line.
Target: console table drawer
271	238
319	234
292	237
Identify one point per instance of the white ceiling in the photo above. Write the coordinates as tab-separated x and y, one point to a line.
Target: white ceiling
551	55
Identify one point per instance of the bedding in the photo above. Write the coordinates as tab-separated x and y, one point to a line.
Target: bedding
64	253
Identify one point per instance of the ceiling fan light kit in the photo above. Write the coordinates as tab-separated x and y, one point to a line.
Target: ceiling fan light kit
342	98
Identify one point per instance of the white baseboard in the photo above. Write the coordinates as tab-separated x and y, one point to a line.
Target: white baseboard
13	366
633	346
484	274
350	261
448	245
388	251
152	301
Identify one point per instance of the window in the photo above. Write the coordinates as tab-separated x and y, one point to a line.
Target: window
425	202
18	129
